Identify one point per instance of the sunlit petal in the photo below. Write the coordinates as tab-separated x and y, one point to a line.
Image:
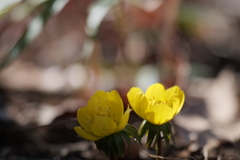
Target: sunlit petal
103	126
123	121
142	105
132	95
181	99
156	91
175	97
170	92
85	134
159	114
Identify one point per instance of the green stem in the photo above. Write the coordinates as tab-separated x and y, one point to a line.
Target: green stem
159	148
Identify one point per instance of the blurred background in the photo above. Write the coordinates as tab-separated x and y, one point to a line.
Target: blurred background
54	54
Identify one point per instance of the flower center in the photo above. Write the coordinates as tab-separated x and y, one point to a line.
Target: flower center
103	112
153	101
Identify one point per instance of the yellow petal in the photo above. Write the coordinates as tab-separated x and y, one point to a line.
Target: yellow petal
141	105
175	97
86	135
182	99
131	95
84	116
98	100
103	126
107	102
170	91
156	91
159	114
115	104
171	97
123	120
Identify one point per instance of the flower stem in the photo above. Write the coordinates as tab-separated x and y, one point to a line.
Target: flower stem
159	148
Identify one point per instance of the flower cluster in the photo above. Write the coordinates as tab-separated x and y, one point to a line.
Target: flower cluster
104	121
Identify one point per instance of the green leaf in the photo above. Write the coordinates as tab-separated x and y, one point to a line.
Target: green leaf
104	146
144	128
133	132
119	143
150	136
126	137
154	132
113	146
166	134
170	130
157	135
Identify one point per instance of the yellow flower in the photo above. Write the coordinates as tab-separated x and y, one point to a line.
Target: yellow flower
157	105
102	116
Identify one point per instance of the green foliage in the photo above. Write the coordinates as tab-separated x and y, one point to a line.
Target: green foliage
126	137
114	144
132	132
166	133
104	146
118	139
155	133
143	128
